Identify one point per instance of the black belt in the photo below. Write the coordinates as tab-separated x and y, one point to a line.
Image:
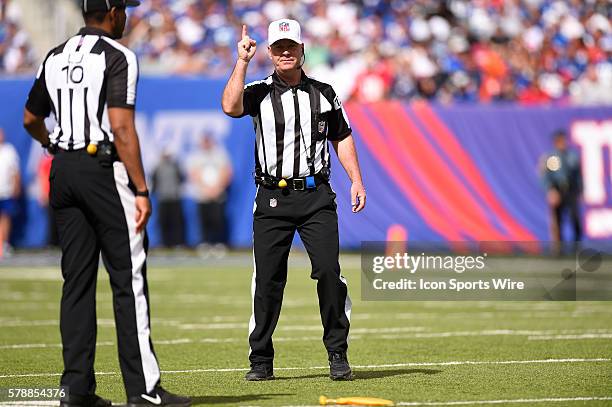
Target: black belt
105	153
58	150
297	184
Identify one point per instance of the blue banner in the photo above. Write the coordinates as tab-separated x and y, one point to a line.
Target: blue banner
431	172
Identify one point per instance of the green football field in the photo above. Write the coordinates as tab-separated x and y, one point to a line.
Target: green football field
414	353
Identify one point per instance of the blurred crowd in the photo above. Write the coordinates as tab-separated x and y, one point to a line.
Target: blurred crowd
16	54
189	196
532	51
204	176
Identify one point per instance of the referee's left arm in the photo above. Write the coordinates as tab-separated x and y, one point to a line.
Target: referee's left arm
341	137
347	155
128	148
122	77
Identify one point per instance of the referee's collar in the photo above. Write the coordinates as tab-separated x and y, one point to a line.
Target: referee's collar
94	31
282	85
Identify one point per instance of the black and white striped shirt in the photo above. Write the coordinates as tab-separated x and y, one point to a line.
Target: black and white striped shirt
293	124
78	81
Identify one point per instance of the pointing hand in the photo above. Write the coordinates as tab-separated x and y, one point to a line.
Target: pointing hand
247	46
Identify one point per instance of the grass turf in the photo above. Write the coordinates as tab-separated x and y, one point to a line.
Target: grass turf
200	317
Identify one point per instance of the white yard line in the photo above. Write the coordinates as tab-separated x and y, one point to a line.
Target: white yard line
46	345
102	322
493	314
570	337
20	323
478	362
408	364
497	332
300	328
377	333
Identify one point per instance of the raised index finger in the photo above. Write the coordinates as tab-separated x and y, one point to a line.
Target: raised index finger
244	31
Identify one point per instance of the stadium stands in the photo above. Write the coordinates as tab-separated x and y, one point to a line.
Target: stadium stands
530	51
16	54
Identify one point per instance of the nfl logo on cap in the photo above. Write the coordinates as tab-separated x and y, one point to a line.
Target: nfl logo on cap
284	29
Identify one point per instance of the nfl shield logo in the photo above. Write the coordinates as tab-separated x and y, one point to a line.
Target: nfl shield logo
284	26
273	203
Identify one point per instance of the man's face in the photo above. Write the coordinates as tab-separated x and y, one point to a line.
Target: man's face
560	143
286	54
1	136
207	143
118	19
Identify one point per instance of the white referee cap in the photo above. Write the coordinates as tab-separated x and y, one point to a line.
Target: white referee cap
284	29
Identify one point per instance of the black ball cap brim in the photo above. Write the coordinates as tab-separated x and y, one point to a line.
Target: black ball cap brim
105	5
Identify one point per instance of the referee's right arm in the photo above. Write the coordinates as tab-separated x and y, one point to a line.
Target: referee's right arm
231	101
38	108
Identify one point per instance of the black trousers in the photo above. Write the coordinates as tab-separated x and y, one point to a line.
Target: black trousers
277	215
569	205
212	221
95	212
52	239
171	222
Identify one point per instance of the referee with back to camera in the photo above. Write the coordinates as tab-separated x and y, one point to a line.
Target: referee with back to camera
294	116
100	201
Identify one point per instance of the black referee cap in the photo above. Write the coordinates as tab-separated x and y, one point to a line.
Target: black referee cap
105	5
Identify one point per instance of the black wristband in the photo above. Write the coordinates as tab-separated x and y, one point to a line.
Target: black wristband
50	148
144	193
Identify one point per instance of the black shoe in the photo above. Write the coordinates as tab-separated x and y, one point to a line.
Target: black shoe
339	368
159	397
260	371
84	401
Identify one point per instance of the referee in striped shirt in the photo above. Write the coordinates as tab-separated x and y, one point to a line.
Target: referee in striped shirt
100	201
294	116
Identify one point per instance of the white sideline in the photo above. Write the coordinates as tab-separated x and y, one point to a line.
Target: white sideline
401	403
409	364
476	402
471	402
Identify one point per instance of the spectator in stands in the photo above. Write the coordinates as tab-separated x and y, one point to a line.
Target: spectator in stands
10	188
593	87
16	55
166	185
210	174
374	83
3	6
